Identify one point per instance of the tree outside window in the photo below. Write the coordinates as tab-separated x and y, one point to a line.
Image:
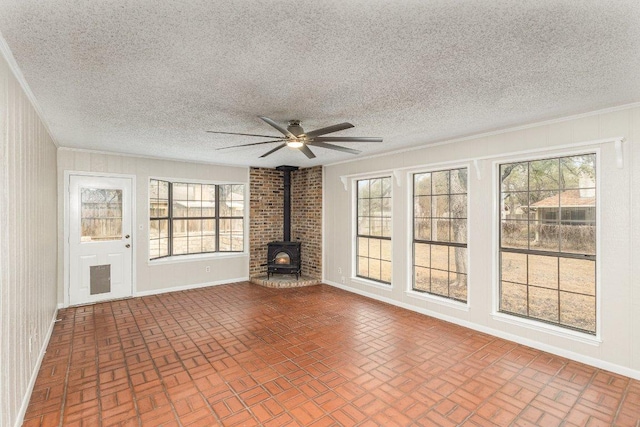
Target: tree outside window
440	233
548	240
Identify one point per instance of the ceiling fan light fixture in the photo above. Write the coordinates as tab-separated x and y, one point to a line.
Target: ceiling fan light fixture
295	137
294	143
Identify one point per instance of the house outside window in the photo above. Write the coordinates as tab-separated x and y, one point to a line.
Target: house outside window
195	218
548	241
373	235
440	233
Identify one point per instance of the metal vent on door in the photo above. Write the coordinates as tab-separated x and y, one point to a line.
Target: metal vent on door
100	279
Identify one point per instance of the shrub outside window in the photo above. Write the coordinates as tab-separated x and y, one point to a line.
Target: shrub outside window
194	218
548	241
440	233
373	257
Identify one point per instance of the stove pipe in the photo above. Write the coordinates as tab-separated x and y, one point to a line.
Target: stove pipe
286	170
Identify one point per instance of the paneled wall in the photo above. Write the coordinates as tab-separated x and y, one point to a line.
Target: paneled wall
160	275
618	347
27	242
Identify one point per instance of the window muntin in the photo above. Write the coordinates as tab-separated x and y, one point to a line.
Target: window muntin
185	218
440	233
548	241
373	248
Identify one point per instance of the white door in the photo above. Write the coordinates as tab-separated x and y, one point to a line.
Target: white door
100	244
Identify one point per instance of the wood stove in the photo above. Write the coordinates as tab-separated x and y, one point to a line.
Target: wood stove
284	258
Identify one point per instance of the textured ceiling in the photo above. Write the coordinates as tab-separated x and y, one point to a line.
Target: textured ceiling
149	77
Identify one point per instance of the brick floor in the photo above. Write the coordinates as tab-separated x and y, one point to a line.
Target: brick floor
242	354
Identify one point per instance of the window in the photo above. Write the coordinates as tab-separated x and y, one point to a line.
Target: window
159	219
548	241
194	218
101	214
440	233
374	229
231	218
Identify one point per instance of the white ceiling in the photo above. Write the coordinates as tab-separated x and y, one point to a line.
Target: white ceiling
149	77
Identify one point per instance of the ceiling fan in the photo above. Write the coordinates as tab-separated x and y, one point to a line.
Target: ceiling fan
295	137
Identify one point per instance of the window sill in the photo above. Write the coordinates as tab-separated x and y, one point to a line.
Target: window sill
373	283
446	302
549	329
196	257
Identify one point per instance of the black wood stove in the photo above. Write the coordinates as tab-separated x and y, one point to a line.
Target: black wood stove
284	258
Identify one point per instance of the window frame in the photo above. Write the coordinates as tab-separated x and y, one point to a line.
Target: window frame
171	257
219	217
159	218
411	196
355	276
534	323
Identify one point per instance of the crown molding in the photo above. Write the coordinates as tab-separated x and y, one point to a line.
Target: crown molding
492	133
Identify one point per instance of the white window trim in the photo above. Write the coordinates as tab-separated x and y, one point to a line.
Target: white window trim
409	233
203	256
436	299
548	328
175	259
354	230
532	323
363	281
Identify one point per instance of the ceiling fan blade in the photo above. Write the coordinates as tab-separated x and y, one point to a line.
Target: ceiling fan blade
347	139
329	129
277	126
307	151
274	150
333	147
245	134
246	145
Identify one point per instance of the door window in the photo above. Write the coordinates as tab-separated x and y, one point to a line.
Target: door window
101	214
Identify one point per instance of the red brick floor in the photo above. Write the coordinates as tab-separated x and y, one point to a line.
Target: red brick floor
241	354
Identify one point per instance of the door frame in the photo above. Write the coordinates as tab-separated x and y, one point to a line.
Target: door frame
67	219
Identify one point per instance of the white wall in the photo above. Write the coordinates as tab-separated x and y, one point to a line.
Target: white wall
154	277
27	243
619	320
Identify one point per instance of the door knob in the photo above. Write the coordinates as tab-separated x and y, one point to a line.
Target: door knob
127	236
127	245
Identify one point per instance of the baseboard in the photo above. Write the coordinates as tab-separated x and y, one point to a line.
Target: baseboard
34	373
187	287
618	369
